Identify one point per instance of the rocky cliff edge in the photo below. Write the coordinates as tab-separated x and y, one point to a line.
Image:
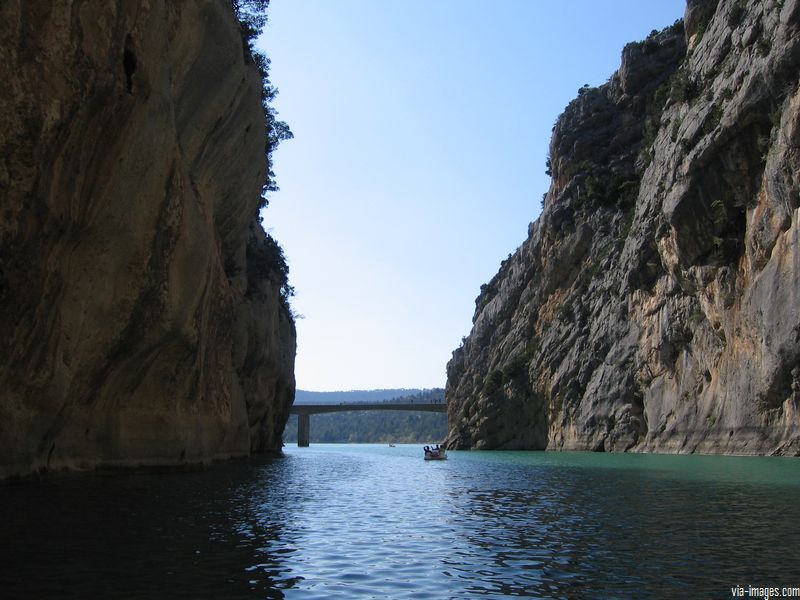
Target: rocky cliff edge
655	305
140	320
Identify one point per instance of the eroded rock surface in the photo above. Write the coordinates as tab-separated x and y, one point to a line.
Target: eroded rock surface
139	323
655	305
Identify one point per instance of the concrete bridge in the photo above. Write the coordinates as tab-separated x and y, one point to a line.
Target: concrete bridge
304	412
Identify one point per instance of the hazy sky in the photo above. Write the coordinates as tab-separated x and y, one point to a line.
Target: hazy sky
421	131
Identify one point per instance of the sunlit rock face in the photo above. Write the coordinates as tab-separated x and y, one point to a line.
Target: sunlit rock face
655	305
137	326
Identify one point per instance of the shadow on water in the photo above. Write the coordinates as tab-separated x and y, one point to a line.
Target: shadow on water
145	535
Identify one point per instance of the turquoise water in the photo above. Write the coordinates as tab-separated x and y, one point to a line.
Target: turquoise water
369	521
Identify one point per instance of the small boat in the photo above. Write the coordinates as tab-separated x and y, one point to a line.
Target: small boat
391	446
435	454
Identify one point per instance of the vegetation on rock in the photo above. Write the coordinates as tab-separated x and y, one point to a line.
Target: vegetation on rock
252	15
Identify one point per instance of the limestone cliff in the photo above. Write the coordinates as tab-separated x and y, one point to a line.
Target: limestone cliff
139	321
655	305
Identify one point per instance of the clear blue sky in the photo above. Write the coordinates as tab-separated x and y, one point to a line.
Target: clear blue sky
421	131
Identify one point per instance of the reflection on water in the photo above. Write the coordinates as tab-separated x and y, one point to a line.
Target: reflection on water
378	522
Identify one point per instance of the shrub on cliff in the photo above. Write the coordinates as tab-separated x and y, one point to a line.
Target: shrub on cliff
252	15
265	258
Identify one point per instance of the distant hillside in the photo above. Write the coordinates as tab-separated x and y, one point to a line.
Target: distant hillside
372	426
306	397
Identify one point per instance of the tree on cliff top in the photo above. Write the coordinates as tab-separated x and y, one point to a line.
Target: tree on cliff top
252	15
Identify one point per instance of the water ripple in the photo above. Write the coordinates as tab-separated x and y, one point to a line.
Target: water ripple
373	522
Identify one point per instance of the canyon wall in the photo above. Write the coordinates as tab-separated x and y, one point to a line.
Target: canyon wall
141	315
655	305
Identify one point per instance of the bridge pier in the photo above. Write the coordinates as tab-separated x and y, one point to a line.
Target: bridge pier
303	429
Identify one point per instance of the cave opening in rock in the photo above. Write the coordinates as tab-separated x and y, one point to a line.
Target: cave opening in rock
129	63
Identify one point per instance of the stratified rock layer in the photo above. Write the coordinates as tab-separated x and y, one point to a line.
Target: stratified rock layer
136	326
655	305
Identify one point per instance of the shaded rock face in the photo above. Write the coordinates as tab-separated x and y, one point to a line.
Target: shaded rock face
136	325
655	305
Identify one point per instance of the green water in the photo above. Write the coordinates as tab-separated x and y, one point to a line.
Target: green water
369	521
